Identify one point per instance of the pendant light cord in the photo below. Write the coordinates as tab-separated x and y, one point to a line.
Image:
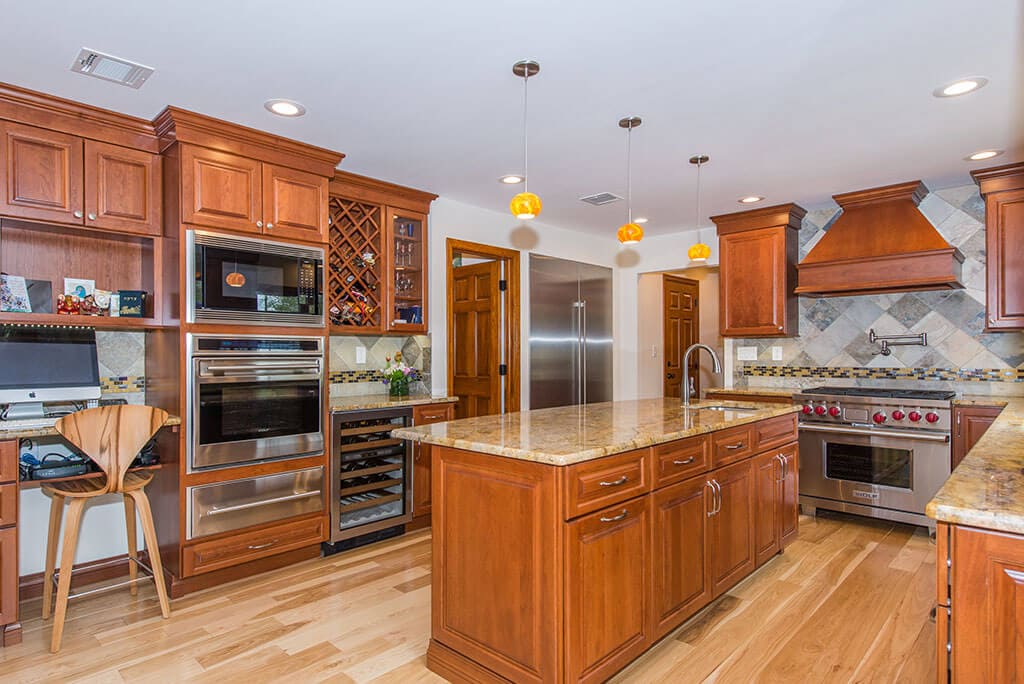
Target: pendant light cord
696	218
526	157
629	174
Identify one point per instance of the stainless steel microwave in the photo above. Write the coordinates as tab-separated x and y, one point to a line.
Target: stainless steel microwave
245	280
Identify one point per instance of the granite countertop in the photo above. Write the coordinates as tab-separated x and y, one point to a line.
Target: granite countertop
987	488
50	431
573	434
376	401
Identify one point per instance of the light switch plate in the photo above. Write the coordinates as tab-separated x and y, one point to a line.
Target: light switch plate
776	353
746	353
360	354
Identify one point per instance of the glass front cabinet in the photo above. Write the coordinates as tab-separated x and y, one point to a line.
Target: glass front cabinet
407	271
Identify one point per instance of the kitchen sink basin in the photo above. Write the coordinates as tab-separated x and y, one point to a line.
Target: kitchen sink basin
719	407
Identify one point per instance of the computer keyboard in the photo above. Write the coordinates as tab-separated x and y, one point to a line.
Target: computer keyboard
26	424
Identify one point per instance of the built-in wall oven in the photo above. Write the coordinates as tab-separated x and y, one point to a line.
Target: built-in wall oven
244	280
254	398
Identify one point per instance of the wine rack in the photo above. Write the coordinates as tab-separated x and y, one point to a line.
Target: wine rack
354	288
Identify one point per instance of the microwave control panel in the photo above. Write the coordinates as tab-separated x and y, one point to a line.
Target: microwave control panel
308	289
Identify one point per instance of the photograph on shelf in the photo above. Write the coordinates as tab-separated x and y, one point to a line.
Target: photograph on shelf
79	287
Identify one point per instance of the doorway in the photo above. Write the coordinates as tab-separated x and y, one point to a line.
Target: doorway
483	328
681	328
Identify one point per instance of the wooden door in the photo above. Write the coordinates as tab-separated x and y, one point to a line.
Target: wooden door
790	495
681	584
969	424
1005	249
607	586
732	526
753	283
476	338
681	329
44	174
122	188
294	204
220	190
987	606
767	505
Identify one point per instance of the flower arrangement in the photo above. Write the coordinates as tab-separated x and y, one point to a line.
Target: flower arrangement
397	375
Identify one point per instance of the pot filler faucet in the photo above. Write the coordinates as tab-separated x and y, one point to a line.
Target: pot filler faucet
686	368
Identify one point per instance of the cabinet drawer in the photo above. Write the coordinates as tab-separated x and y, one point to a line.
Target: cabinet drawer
227	506
434	413
8	504
606	481
774	432
734	444
9	460
680	459
206	556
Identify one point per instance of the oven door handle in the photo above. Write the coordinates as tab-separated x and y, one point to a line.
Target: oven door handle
265	502
313	366
250	377
874	433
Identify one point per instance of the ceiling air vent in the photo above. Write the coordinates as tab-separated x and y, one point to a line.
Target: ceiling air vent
110	68
600	198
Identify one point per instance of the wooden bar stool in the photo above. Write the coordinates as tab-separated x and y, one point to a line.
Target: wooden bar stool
111	436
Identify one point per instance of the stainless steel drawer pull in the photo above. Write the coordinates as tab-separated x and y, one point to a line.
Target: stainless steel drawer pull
737	445
616	518
621	481
257	547
685	461
265	502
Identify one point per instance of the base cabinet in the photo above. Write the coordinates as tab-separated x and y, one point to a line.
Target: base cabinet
421	465
682	581
732	526
969	424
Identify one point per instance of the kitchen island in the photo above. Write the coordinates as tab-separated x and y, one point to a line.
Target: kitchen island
567	541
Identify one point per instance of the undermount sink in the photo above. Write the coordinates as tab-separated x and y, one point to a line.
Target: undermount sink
719	407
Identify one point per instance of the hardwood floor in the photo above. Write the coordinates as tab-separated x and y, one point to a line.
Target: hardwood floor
847	602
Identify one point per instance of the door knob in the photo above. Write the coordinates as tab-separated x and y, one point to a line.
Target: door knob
669	375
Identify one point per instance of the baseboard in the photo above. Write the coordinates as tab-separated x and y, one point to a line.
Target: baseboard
90	572
418	523
457	668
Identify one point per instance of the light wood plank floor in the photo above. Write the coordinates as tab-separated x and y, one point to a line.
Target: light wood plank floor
849	601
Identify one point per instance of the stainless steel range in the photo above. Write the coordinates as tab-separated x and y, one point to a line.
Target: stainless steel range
877	452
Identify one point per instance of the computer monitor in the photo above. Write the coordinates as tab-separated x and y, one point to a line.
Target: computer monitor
46	364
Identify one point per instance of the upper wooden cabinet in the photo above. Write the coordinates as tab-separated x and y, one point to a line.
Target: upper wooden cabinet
122	188
1003	190
294	204
757	278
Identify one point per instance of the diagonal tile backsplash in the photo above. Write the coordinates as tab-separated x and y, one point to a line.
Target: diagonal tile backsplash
833	339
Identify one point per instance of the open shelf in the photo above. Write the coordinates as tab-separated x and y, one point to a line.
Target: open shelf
122	323
32	484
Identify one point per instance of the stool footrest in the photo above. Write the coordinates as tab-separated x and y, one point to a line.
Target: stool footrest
150	575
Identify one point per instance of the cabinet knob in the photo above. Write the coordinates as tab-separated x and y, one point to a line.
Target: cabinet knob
992	321
780	327
270	226
78	214
259	224
92	217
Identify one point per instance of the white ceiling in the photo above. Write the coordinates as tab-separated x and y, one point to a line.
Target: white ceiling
795	100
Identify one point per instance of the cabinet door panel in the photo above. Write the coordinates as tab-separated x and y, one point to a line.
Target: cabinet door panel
768	509
220	190
607	587
1005	249
122	188
294	204
790	495
8	576
753	285
732	527
970	423
43	172
681	585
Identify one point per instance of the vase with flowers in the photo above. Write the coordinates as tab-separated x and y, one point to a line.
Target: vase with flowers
397	376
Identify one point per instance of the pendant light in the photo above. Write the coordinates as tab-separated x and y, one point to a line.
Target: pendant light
525	205
235	279
700	251
629	233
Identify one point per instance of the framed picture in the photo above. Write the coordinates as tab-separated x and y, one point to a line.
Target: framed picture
14	294
131	303
80	287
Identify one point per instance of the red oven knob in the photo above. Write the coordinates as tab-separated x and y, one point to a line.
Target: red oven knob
898	415
834	411
879	417
807	409
931	417
819	410
915	416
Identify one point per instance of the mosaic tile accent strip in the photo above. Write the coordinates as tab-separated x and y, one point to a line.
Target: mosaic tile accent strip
123	383
363	376
861	373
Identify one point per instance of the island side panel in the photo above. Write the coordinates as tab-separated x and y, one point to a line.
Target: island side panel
497	550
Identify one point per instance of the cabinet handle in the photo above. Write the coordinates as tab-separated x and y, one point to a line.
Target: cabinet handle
615	518
713	500
257	547
783	472
718	497
621	481
259	224
685	461
270	226
92	217
958	433
732	447
780	327
78	214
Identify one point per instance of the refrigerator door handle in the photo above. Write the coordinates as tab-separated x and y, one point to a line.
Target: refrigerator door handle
583	349
577	321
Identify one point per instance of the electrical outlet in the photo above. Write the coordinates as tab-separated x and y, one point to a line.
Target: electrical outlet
776	353
360	354
654	351
746	353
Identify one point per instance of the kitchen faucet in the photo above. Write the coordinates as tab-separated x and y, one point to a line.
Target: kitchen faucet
686	368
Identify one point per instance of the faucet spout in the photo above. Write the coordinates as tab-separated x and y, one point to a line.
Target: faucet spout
717	366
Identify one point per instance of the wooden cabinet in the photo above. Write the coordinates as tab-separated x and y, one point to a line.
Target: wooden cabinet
122	188
789	494
1003	190
10	628
607	587
605	481
969	424
421	461
220	190
680	552
776	507
407	271
758	254
732	533
228	550
294	204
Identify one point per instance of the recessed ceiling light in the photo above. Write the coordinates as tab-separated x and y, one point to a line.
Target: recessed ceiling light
640	219
511	179
283	107
960	87
750	199
983	154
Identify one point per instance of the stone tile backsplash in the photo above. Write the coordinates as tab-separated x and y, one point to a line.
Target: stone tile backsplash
349	378
833	332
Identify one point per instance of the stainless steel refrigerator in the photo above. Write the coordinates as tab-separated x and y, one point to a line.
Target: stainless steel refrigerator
570	332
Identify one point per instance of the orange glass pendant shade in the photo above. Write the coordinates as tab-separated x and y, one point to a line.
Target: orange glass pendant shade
699	252
630	233
525	206
235	279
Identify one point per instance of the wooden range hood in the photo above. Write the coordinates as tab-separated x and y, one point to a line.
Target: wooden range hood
881	243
